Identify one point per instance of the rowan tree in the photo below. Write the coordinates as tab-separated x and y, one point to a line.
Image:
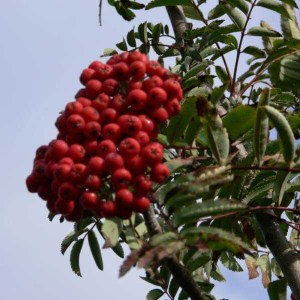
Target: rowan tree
188	166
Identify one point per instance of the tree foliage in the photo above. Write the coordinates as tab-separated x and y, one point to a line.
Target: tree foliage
232	151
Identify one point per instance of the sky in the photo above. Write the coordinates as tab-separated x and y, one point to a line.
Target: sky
44	47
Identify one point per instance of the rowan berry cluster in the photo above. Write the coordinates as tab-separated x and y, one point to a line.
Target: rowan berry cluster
106	155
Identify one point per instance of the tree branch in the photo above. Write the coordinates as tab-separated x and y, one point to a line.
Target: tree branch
183	277
286	256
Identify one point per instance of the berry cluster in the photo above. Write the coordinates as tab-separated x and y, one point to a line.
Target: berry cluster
106	156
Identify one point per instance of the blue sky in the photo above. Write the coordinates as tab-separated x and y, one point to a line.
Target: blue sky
44	47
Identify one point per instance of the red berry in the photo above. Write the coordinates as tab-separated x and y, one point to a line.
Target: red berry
93	88
62	172
78	173
137	55
147	124
109	209
89	200
142	137
104	72
173	107
101	102
112	131
108	115
172	87
32	184
121	71
86	75
129	124
92	130
141	204
64	207
93	182
59	149
137	99
112	162
96	165
142	184
111	86
124	197
119	103
84	101
160	173
76	152
153	68
152	153
137	70
129	147
121	179
136	165
90	113
75	123
105	147
75	215
159	115
154	81
95	65
157	96
74	107
68	191
134	85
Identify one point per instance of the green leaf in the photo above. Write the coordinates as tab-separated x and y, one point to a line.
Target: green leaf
109	52
162	238
261	128
118	249
154	294
217	138
193	213
68	240
240	4
125	12
192	13
111	230
280	185
239	120
236	17
157	3
263	263
179	123
214	238
217	94
74	257
197	261
263	32
277	290
131	38
288	145
143	34
95	249
157	30
83	223
132	240
274	6
216	12
173	287
122	45
197	69
230	262
292	3
289	24
255	51
222	74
